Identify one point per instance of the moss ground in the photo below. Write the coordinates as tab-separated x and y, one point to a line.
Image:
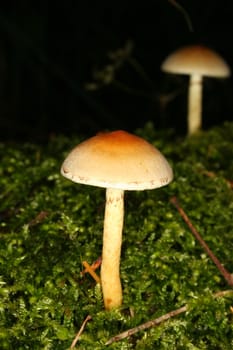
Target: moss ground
49	225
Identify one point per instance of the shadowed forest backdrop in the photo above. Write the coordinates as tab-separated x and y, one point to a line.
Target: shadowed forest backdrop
82	66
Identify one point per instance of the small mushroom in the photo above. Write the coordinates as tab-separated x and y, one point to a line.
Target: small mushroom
117	161
196	61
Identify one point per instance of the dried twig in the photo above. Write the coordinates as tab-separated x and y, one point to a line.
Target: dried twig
184	12
39	218
228	277
212	174
94	266
147	325
159	320
91	271
88	318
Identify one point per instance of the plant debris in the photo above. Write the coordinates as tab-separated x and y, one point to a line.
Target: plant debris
48	228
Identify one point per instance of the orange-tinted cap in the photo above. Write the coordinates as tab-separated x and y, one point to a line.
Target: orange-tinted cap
196	59
117	159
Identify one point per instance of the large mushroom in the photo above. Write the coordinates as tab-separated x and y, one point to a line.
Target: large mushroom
117	161
196	61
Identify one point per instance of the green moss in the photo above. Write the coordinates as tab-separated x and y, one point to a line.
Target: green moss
49	225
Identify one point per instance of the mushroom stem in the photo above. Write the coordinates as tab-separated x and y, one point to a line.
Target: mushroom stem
194	103
112	240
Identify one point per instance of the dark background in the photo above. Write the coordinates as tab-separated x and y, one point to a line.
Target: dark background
50	51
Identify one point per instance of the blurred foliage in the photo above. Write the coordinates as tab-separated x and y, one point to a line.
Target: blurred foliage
49	225
49	54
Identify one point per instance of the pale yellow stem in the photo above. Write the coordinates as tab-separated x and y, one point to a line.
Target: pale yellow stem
195	104
112	240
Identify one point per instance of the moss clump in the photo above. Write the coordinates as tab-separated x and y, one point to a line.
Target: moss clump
50	225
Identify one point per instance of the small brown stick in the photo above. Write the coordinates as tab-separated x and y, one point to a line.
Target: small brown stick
88	318
91	271
223	293
94	266
159	320
228	277
184	13
212	174
146	325
39	218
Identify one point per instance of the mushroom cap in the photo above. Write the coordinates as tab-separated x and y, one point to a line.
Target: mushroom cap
196	59
117	159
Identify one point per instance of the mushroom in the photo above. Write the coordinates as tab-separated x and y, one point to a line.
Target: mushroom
196	61
117	161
